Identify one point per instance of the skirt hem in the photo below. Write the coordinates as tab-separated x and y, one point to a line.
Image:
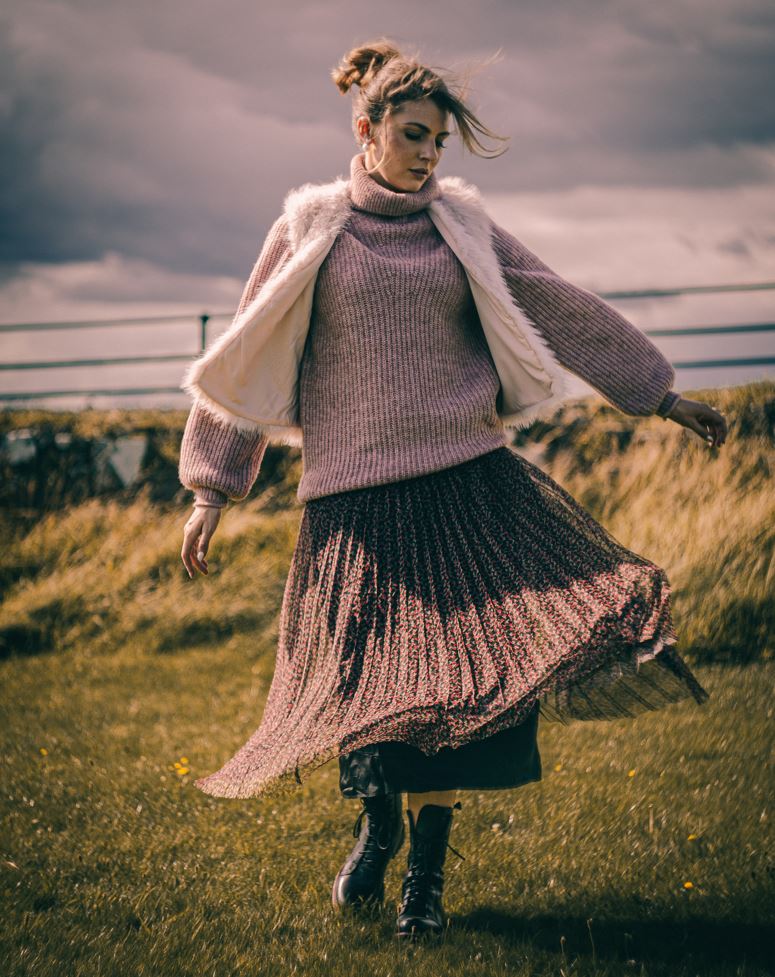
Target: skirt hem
564	697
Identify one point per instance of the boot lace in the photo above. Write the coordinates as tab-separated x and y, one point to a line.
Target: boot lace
377	841
415	894
417	878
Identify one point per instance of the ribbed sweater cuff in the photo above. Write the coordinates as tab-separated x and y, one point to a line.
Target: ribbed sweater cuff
211	496
667	404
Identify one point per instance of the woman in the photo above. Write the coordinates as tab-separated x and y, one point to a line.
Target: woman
443	590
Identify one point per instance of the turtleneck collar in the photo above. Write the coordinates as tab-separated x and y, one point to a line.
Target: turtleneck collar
367	194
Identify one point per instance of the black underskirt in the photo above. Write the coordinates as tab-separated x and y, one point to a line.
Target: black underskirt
507	759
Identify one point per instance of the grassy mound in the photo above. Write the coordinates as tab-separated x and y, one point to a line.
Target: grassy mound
107	572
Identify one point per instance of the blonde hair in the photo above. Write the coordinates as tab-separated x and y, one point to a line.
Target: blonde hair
386	78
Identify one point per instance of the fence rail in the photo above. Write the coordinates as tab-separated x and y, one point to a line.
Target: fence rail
203	319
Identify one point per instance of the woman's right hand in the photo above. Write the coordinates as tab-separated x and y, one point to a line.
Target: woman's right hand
196	538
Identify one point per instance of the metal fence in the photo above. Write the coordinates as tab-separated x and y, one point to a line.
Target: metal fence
202	321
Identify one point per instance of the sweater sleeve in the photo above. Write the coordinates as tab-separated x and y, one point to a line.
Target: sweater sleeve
587	335
219	462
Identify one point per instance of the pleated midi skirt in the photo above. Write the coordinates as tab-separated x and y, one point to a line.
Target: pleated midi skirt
427	623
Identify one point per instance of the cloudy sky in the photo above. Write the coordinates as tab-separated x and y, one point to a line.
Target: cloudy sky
147	146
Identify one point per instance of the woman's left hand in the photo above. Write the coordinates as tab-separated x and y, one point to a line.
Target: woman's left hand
702	419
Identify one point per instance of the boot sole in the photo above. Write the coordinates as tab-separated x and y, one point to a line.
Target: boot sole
419	933
364	904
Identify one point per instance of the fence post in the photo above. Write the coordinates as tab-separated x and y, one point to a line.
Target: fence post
203	319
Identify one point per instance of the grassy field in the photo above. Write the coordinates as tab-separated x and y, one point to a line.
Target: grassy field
645	850
113	863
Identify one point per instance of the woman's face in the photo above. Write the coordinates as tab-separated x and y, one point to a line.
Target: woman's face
411	138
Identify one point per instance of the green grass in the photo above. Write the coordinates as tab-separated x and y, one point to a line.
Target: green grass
113	863
118	665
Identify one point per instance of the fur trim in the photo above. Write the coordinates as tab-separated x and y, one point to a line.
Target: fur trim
543	409
315	214
463	203
314	208
217	411
274	433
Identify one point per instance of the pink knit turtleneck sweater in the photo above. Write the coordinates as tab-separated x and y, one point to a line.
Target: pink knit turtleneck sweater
396	379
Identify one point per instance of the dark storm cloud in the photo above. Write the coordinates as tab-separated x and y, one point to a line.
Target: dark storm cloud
168	133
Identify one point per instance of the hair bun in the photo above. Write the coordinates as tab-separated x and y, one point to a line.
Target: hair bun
360	65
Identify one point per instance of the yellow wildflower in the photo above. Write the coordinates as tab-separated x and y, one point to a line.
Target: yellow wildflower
630	773
184	760
688	885
691	837
558	766
182	771
43	751
177	765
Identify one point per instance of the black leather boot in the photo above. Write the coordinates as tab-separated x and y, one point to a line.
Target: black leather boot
380	831
421	908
